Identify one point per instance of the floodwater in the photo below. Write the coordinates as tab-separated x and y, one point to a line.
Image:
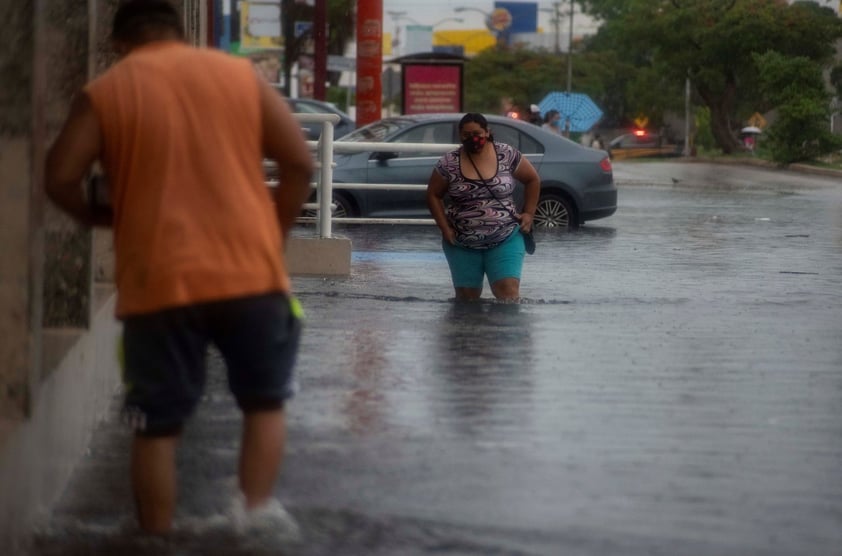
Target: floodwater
670	384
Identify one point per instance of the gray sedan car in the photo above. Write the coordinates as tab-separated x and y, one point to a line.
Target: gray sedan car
311	106
576	182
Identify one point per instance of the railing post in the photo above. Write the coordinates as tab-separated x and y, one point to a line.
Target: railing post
325	191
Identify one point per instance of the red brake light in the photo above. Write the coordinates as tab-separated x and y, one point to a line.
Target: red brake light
639	132
605	164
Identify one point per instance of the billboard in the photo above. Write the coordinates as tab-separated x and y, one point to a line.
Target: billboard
429	88
524	16
260	26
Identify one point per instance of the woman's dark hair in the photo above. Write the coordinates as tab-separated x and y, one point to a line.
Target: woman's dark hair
548	117
135	18
473	117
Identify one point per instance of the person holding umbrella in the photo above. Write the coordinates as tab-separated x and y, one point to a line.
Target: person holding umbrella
552	121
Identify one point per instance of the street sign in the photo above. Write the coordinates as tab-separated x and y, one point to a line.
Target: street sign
341	63
757	120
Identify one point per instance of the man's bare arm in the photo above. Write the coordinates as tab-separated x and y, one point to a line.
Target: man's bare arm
69	160
283	141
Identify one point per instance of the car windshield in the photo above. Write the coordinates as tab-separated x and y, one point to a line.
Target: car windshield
377	131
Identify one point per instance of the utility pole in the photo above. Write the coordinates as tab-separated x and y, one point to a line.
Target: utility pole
570	52
225	36
320	45
687	116
557	26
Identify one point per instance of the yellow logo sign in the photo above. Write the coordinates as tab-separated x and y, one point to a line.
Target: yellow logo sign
500	19
641	122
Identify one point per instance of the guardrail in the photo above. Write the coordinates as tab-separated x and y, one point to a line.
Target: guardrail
325	147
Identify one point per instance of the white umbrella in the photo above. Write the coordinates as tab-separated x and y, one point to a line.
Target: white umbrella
751	129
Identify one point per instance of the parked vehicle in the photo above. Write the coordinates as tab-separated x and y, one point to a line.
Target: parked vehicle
641	144
576	182
312	106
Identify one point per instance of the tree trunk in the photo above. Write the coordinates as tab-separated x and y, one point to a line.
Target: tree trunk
721	107
721	130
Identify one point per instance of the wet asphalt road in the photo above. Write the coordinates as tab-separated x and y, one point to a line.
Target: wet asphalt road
671	384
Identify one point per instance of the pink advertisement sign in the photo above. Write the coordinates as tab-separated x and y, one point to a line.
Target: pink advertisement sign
429	88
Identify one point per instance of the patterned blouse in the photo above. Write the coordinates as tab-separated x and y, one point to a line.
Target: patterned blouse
480	220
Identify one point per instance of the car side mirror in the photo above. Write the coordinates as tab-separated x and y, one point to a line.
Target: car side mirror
383	156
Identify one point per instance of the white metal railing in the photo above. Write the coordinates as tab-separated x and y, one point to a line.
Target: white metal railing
325	147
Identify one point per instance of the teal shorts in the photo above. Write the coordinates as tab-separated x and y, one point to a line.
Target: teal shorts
469	266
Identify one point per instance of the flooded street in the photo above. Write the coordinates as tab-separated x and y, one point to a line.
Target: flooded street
671	384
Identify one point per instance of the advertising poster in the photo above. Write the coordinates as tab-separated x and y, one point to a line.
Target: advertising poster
432	88
260	26
369	61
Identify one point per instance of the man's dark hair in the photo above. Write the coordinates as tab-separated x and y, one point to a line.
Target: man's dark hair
135	19
474	117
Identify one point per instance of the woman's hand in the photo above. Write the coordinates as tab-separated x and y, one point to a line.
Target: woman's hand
436	188
528	176
449	235
526	221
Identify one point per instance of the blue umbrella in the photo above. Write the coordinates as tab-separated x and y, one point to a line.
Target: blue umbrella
578	108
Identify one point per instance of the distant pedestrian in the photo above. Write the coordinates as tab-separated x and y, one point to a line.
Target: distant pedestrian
181	133
535	115
552	121
749	142
480	224
597	142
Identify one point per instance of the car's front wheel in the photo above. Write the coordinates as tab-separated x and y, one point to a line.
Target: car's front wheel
555	211
344	207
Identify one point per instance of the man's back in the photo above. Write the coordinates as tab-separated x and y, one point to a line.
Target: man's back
193	219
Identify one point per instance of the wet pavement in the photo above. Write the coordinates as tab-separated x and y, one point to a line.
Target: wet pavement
671	384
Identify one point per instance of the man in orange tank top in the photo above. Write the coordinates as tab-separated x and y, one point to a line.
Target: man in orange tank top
181	133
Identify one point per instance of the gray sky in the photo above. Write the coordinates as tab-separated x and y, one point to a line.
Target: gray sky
430	12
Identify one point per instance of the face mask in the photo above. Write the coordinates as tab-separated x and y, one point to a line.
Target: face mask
555	123
474	143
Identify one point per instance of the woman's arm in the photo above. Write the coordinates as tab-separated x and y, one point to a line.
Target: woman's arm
436	189
528	176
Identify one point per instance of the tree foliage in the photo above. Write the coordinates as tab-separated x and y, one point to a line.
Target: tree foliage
712	42
796	87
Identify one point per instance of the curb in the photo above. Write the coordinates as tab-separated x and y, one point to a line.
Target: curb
798	167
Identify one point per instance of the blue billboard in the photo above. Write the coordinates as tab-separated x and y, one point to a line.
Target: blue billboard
524	16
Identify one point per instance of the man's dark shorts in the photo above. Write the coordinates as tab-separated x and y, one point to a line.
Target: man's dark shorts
165	356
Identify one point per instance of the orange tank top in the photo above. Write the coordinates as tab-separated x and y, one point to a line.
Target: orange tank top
193	218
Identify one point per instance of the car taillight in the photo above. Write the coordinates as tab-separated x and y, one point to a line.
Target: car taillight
605	164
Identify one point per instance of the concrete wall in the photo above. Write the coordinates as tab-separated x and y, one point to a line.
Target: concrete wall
19	325
58	368
38	454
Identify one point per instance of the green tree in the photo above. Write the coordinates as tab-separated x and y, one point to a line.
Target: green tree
712	42
796	87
